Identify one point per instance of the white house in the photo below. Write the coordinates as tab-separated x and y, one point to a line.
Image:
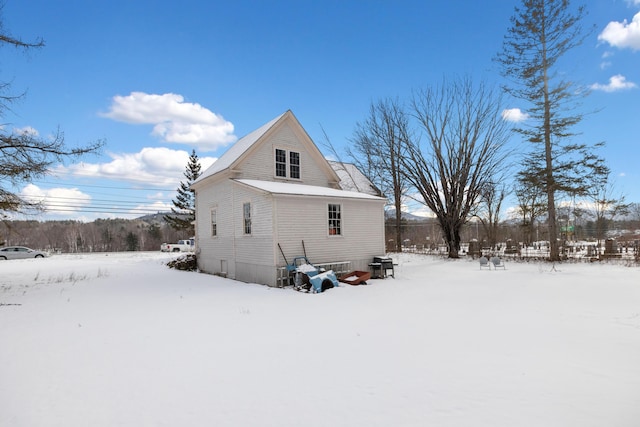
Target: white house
271	191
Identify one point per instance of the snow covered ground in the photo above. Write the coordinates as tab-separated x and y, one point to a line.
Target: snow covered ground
121	340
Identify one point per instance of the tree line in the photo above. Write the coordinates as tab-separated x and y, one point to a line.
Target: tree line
426	232
101	235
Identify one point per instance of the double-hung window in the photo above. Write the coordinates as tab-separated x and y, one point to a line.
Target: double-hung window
281	163
287	164
246	217
214	222
335	220
294	165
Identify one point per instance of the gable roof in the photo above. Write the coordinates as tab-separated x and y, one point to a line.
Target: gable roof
352	179
238	151
305	190
241	146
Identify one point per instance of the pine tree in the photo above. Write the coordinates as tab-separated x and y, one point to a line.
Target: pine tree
132	241
542	32
184	207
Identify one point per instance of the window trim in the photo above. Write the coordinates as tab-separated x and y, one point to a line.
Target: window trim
246	219
335	226
296	165
283	165
213	221
287	166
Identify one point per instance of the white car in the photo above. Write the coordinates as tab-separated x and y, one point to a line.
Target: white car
181	246
20	252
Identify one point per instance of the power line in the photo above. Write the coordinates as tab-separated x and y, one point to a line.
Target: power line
104	186
61	199
104	206
104	203
103	210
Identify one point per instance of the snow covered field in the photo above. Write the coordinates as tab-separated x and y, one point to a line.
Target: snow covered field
121	340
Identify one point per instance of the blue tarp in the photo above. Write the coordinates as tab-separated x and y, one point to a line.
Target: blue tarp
316	280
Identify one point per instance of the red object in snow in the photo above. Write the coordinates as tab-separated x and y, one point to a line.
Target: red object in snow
355	277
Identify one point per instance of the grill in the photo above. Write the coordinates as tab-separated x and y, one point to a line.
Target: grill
381	265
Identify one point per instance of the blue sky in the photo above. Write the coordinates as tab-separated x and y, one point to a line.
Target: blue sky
158	79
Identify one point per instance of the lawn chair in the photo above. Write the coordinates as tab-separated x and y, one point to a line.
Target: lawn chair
484	263
497	263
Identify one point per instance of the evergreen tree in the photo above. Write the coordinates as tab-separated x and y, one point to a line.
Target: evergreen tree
132	241
184	206
542	32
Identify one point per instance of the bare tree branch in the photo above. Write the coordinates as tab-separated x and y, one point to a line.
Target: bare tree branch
464	149
25	156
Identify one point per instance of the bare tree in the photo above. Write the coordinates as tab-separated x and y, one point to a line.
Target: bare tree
531	205
542	32
24	155
634	211
492	194
606	205
464	147
378	147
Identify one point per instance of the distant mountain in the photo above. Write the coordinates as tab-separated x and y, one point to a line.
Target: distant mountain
156	217
391	213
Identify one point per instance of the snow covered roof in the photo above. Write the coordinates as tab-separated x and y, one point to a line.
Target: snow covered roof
238	149
352	179
305	190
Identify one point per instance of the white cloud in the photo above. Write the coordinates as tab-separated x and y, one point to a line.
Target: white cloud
156	196
71	203
27	130
623	34
57	201
157	206
514	115
422	211
616	83
174	120
147	169
153	166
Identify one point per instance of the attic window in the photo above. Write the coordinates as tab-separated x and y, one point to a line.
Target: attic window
294	164
287	164
281	163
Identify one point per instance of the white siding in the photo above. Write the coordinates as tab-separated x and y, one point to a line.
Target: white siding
261	164
288	220
213	250
285	219
255	249
306	219
247	257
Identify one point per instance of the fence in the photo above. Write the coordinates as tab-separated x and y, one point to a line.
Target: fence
569	253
